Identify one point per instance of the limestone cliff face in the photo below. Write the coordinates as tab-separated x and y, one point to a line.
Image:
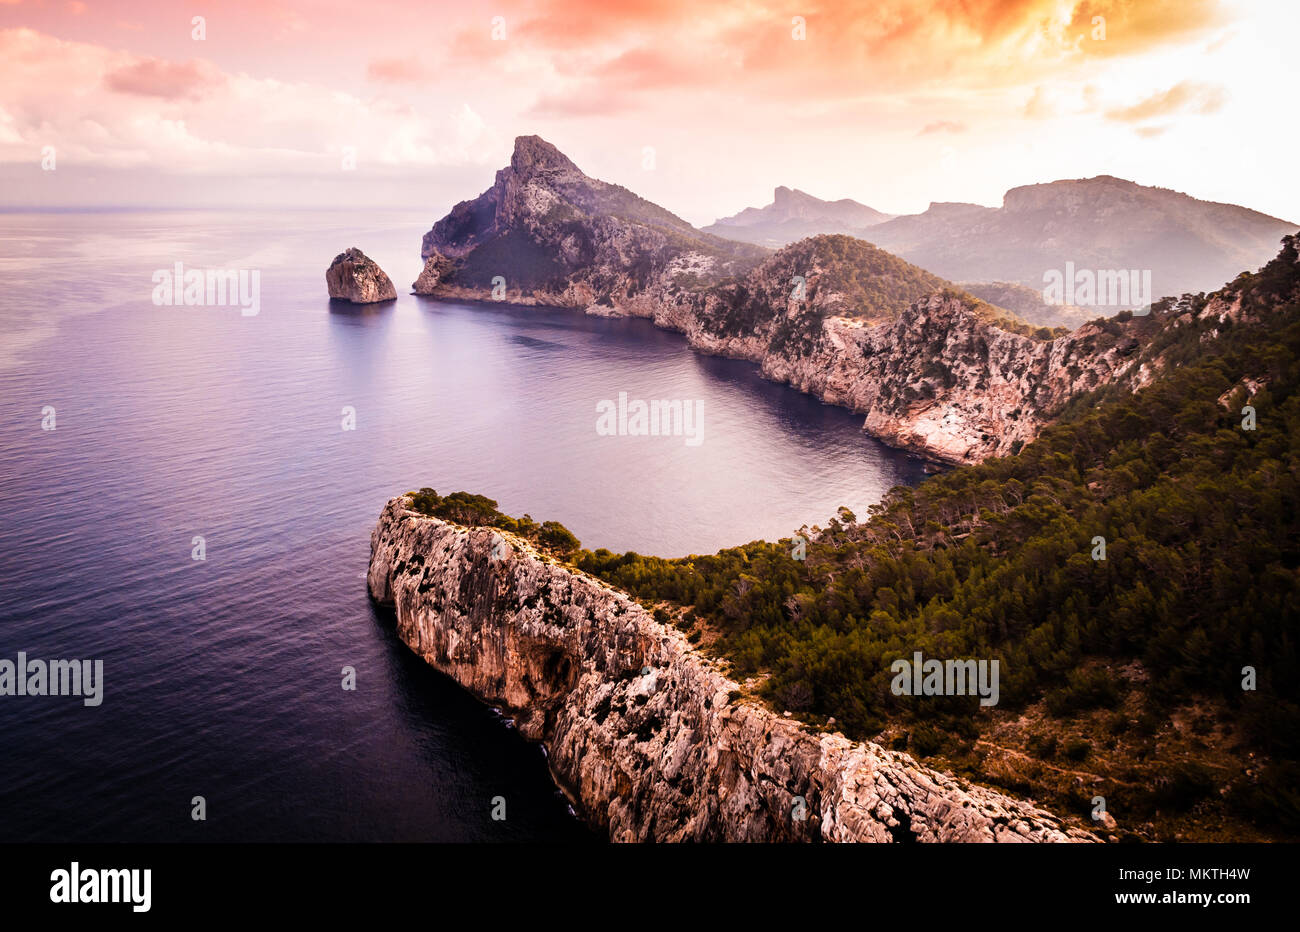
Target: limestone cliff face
939	379
647	736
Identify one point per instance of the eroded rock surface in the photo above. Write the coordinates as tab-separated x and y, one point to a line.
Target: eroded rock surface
354	276
436	268
647	737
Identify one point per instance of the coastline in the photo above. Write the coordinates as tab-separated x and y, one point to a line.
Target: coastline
933	460
648	738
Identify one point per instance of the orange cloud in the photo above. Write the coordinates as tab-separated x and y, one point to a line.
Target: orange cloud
1185	97
1130	27
841	50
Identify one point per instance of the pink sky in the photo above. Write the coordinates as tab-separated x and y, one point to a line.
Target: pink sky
892	103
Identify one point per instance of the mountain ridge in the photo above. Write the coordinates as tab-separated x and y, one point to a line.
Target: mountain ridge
1190	244
1103	222
933	369
794	215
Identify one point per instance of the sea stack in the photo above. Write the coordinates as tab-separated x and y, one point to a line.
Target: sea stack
437	268
354	276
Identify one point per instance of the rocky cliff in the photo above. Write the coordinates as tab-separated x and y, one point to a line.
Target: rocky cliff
648	738
354	276
933	369
547	233
939	379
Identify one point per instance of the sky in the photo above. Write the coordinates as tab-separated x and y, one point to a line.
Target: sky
701	107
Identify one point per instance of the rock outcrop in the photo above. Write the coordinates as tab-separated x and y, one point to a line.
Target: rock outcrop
550	234
940	379
648	738
436	267
354	276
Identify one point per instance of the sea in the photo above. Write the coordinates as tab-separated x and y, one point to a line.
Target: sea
187	493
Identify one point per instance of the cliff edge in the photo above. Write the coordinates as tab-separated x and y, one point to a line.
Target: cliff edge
649	739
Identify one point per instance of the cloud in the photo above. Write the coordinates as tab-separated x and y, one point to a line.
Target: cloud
153	77
1038	107
1132	27
1184	97
851	47
942	126
578	105
100	106
397	71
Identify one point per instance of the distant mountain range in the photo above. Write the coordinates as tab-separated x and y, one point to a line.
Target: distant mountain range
794	215
1029	304
1101	223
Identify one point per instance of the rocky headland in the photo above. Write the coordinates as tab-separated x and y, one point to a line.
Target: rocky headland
932	368
650	739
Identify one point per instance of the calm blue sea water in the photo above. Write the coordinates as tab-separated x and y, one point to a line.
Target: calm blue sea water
222	677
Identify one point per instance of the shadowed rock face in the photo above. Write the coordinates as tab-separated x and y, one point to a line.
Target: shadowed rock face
354	276
436	267
552	235
643	733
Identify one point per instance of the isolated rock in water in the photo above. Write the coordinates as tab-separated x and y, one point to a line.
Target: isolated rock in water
354	276
437	268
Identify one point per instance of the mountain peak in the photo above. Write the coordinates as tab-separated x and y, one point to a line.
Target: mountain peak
794	215
533	154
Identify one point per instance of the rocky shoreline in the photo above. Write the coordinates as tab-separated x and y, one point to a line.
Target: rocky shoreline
649	738
932	369
992	390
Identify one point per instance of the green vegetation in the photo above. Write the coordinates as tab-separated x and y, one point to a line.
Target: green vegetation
1003	319
871	285
1120	676
480	511
1201	578
875	283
